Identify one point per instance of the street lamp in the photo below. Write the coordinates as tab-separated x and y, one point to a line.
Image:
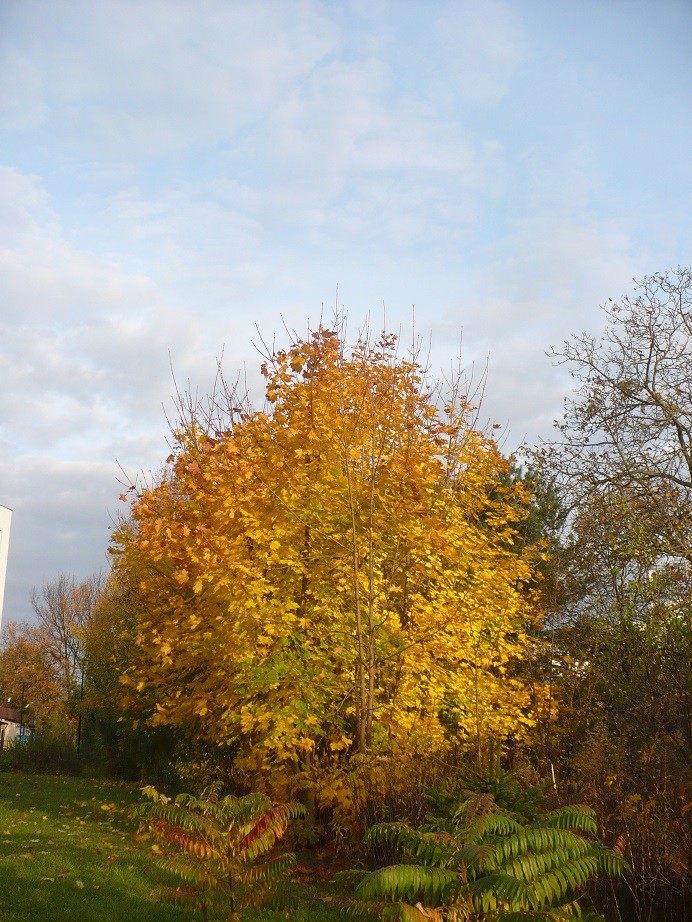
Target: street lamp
21	715
79	719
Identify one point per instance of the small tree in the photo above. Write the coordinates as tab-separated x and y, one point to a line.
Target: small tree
219	847
333	574
26	674
627	432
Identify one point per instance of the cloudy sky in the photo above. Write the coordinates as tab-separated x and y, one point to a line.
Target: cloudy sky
176	175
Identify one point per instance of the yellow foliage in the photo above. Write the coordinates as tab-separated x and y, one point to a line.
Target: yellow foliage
334	575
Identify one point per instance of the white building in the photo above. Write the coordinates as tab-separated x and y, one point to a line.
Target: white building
10	727
5	522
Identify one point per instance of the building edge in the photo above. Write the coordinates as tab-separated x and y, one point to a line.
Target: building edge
5	523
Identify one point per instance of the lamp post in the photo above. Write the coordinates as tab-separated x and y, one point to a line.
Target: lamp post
3	728
79	719
21	715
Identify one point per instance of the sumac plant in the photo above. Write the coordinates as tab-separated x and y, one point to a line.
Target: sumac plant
220	848
485	866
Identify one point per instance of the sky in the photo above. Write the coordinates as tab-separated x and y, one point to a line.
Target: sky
180	179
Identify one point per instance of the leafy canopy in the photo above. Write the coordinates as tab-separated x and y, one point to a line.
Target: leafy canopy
336	573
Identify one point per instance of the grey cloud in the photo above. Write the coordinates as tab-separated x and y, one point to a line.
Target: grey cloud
62	515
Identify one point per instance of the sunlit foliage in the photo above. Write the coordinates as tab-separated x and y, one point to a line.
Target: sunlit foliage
334	574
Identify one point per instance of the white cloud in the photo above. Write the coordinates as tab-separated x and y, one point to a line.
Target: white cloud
126	77
350	117
22	104
21	196
183	172
84	345
544	284
482	45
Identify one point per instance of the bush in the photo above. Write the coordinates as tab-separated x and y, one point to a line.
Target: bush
50	753
485	864
218	847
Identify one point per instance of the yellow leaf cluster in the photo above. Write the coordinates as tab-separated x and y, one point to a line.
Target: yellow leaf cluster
335	574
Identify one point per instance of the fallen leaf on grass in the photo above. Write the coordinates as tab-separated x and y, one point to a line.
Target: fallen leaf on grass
80	884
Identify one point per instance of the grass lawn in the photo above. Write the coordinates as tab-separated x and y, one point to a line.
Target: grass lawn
68	852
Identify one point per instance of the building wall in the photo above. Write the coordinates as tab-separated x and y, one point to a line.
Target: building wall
9	725
5	521
9	731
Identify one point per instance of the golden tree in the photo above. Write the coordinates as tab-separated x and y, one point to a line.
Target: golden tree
334	574
27	674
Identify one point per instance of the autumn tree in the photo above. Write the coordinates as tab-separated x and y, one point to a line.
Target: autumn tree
110	743
623	458
26	675
46	658
622	656
332	575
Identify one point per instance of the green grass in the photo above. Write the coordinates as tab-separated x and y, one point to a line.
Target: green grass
69	851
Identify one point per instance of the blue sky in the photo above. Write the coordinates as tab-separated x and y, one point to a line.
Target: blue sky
175	176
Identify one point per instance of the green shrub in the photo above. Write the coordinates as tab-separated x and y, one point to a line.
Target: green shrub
485	865
52	753
521	799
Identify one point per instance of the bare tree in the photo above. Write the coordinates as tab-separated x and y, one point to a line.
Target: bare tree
628	431
63	606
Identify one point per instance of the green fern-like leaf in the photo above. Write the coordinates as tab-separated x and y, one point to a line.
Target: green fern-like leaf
428	848
409	883
488	863
576	817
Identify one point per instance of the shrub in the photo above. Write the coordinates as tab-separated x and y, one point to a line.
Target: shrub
486	865
219	847
51	753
